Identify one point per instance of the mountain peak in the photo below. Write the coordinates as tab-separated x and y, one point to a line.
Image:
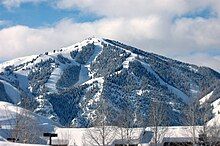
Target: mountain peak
68	85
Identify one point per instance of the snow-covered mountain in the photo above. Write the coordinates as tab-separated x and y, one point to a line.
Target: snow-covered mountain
68	85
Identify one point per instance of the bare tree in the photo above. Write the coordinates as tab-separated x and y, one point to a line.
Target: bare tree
13	123
101	134
192	118
157	119
126	125
209	133
23	127
205	114
213	134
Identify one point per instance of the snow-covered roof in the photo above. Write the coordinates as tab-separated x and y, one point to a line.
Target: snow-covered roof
77	136
139	135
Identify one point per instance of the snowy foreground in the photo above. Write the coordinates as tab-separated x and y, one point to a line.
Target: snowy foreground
17	144
88	136
17	122
10	113
84	136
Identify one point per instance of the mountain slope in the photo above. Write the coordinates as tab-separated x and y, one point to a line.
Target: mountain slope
69	85
22	124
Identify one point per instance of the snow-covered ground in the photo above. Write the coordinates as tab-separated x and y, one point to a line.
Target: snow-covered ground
216	111
81	136
143	136
16	61
216	108
51	83
84	74
9	113
17	144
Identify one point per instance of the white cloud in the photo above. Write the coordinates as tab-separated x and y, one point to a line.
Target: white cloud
136	8
203	60
22	40
203	32
3	22
16	3
151	34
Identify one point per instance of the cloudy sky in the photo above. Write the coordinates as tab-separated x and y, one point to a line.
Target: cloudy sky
187	30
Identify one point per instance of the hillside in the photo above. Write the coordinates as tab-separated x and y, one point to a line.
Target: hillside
20	123
69	85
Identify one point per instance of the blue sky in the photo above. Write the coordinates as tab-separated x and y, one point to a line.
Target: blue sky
183	30
41	15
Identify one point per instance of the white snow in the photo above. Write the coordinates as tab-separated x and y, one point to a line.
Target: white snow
129	59
55	76
140	92
17	144
83	75
16	61
176	91
216	107
73	135
99	80
85	69
194	91
12	92
98	50
22	72
78	46
8	113
193	68
214	121
80	137
96	97
85	72
205	98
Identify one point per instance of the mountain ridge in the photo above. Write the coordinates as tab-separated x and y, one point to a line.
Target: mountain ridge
66	85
